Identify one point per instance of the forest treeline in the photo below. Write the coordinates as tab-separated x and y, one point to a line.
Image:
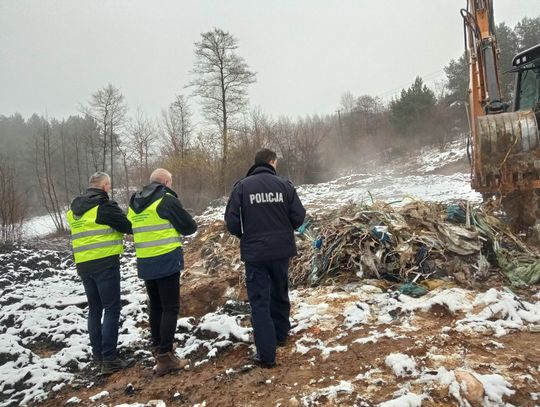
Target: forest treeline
45	162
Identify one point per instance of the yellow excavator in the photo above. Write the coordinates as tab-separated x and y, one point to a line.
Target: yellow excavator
505	141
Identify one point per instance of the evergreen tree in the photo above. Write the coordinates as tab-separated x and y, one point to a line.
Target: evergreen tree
413	109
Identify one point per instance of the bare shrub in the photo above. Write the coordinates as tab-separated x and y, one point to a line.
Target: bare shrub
12	205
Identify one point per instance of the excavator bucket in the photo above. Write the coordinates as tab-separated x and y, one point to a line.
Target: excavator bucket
506	153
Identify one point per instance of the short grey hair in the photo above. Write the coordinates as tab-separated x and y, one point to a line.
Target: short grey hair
99	178
160	175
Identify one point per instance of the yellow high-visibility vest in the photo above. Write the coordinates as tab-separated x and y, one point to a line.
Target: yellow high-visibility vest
153	235
90	240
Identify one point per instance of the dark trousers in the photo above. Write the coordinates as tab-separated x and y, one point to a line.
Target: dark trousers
103	293
164	296
268	293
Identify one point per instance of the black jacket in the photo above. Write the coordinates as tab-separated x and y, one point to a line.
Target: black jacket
263	211
169	208
108	213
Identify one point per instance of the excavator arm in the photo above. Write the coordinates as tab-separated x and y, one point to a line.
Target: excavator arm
505	145
481	45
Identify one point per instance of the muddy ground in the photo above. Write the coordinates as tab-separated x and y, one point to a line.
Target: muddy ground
231	380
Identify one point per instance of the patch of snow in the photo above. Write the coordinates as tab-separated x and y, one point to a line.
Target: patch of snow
358	313
330	392
100	395
402	365
225	326
495	387
38	226
455	299
374	336
308	315
406	400
501	312
312	343
431	158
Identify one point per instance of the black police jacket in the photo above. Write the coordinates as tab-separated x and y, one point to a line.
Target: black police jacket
263	211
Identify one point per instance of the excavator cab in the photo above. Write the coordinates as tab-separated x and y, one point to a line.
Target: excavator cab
527	90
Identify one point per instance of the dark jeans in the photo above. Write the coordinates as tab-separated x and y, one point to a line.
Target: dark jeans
268	292
103	293
164	296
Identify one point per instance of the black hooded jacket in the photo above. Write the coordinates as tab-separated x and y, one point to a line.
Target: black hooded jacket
169	208
108	213
263	211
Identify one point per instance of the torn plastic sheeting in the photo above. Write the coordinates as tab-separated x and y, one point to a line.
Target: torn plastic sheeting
459	240
519	269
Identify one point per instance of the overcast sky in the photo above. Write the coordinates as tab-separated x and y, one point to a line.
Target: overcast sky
55	53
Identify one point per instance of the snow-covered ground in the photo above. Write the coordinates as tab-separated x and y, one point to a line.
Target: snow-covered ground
43	336
38	226
44	343
368	310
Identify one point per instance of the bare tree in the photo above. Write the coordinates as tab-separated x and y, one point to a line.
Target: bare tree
108	108
13	208
142	135
126	155
299	144
312	132
43	166
222	79
346	102
285	137
177	126
368	111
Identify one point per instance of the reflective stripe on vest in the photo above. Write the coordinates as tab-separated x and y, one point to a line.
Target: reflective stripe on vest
153	235
90	240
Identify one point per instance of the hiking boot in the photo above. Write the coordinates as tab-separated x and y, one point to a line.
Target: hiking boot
155	351
111	366
261	363
97	357
168	362
97	360
282	343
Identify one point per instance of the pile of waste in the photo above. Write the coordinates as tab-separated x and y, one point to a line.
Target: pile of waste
215	248
412	246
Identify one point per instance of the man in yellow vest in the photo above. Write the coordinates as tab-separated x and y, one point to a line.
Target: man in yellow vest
97	226
159	221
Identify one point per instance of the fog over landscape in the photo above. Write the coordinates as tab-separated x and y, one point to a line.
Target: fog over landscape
54	54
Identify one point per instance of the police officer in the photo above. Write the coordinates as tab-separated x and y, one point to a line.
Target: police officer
159	221
263	211
97	225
